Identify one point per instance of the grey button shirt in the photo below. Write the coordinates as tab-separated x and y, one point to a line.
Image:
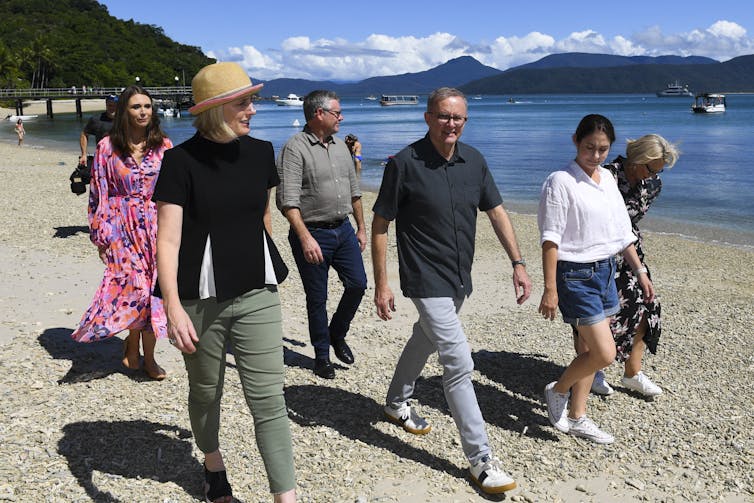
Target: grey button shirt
317	178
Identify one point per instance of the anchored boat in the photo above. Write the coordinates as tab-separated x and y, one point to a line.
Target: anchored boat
709	103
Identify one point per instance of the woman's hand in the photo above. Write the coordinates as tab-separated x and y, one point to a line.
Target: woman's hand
647	287
102	250
548	306
181	332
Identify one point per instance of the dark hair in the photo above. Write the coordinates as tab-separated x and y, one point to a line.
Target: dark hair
317	99
119	131
591	124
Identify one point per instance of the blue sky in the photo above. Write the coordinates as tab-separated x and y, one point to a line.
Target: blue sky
355	40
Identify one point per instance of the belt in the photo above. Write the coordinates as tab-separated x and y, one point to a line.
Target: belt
333	224
592	265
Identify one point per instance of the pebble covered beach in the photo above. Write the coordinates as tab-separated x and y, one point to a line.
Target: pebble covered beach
76	426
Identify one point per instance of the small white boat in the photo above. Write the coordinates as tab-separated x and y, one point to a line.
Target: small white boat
371	97
398	99
708	103
296	123
291	100
14	118
477	97
169	112
674	90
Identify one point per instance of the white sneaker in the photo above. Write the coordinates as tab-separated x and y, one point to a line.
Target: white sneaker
642	384
488	474
600	386
406	418
585	428
557	407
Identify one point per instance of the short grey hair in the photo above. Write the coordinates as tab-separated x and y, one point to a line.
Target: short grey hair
317	99
441	94
649	148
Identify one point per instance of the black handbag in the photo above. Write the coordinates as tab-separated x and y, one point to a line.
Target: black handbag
80	179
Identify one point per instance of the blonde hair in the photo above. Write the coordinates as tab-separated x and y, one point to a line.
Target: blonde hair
649	148
211	124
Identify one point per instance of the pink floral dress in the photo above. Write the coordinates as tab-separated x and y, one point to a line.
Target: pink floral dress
123	218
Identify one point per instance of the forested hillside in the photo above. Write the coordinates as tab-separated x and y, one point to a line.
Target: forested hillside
62	43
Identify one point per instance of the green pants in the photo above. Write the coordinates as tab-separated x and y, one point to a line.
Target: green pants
252	323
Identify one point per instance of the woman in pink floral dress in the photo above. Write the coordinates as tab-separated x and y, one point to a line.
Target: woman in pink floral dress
123	226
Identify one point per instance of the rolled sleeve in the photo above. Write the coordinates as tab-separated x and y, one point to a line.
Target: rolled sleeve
290	168
553	213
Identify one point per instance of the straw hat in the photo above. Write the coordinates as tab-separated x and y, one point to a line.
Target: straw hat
219	83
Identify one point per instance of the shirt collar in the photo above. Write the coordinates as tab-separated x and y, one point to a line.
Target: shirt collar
425	150
314	139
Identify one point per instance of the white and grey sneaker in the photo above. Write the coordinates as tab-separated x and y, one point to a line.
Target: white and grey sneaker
405	417
585	428
600	386
557	407
642	384
488	474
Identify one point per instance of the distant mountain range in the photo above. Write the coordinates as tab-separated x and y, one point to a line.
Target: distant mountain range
567	73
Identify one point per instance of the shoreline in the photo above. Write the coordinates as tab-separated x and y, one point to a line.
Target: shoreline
75	426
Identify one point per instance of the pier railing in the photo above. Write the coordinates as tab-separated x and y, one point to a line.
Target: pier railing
87	93
180	96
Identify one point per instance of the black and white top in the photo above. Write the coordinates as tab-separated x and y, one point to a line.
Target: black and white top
225	250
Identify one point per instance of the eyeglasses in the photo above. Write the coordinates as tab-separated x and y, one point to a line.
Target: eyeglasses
335	113
653	172
445	118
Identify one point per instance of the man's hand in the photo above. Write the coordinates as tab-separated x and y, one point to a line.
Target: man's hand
385	302
521	284
311	250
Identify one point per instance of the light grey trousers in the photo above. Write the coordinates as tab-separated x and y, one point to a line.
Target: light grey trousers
439	329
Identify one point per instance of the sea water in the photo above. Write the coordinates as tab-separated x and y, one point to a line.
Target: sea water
707	195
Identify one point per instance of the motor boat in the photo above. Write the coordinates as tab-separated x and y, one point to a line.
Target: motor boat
674	90
708	103
291	100
14	118
398	99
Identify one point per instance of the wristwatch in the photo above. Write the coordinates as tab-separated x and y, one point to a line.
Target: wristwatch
522	262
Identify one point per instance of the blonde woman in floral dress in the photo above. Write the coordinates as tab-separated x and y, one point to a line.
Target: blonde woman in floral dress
123	226
638	325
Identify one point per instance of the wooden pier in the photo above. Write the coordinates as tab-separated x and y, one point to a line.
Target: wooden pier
180	95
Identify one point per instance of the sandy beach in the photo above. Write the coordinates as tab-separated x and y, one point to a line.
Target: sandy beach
76	426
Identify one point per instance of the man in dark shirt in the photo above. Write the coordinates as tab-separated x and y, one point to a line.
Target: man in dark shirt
318	190
433	189
98	127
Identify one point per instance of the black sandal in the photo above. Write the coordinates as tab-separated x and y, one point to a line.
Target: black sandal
216	485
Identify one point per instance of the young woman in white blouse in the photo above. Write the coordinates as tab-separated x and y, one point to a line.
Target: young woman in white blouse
583	224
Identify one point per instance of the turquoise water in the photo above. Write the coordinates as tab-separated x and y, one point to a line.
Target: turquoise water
708	194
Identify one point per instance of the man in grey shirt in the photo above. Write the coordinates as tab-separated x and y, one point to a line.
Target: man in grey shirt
433	189
318	190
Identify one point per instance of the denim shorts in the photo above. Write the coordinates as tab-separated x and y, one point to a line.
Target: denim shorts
586	291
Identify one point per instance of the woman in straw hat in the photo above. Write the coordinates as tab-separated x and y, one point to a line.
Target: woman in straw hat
218	273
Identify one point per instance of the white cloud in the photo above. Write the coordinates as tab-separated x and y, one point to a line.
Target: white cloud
379	54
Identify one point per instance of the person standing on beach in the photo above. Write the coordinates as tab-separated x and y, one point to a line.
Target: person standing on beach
97	127
583	224
638	325
354	146
433	189
318	190
123	226
20	131
218	274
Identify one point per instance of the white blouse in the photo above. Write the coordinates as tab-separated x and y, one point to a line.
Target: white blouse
207	275
588	221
